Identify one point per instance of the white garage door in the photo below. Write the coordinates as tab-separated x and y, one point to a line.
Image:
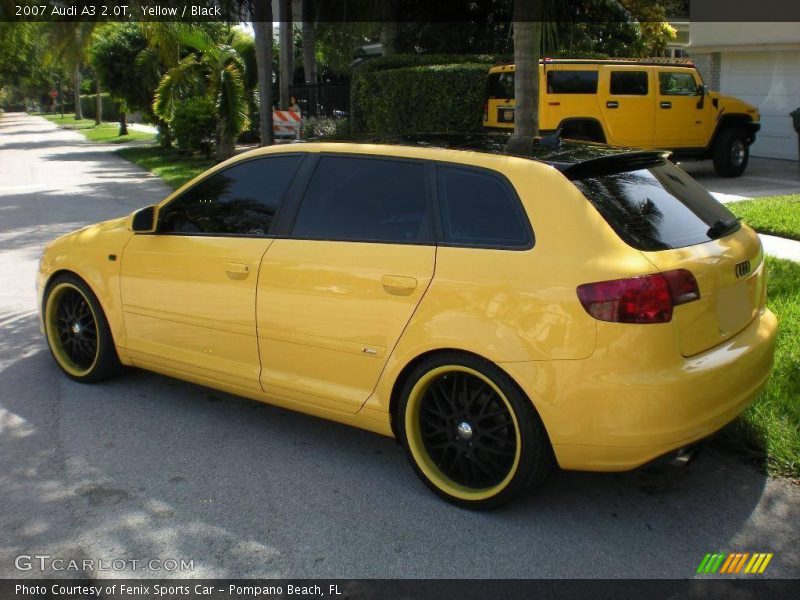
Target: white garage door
770	81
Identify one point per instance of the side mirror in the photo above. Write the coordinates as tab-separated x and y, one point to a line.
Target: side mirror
143	220
702	90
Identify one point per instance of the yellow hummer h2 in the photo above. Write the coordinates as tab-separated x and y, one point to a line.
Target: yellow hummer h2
644	103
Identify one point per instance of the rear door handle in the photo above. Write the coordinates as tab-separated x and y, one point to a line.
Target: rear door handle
398	284
612	104
237	270
666	105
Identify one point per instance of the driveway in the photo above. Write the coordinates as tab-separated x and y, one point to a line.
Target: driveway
763	177
144	467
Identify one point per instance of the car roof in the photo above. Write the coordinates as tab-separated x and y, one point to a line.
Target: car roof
645	62
574	159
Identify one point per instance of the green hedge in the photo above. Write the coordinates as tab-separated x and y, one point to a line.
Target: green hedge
109	106
423	98
401	61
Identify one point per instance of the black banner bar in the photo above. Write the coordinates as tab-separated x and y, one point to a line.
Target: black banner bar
385	589
450	11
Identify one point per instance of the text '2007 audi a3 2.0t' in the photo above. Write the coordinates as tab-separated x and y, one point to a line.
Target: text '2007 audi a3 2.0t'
574	305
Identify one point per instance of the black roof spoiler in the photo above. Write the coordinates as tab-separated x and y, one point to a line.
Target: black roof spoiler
614	163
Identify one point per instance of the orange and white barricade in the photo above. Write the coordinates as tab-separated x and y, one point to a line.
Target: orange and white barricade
286	123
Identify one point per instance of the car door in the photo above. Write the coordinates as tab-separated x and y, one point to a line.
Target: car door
682	120
628	104
335	296
189	290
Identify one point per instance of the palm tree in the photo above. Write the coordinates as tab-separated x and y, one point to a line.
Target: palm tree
262	27
69	42
309	42
527	44
214	70
287	50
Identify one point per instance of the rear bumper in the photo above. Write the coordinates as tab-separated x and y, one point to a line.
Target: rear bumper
612	413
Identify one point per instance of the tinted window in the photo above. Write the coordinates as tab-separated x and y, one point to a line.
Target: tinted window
365	199
655	209
571	82
500	85
242	199
479	209
629	83
677	84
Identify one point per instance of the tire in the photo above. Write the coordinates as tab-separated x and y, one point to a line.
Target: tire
731	152
477	454
77	331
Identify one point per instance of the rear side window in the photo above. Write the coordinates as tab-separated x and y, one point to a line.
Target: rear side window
628	83
571	82
500	86
481	209
656	208
365	199
677	84
240	200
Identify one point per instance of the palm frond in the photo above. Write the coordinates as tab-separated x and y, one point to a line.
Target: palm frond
179	82
231	101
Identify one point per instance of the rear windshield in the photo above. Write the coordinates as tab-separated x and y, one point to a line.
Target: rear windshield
500	85
657	208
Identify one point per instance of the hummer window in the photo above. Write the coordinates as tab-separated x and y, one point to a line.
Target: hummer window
677	84
629	83
571	82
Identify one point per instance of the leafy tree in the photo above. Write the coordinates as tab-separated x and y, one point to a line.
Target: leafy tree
69	42
113	54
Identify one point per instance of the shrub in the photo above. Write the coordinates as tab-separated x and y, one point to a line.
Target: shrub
424	98
109	107
193	125
324	127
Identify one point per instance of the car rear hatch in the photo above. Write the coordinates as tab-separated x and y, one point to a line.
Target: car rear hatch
661	211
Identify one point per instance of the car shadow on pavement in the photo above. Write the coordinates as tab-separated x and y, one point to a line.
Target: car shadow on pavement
147	466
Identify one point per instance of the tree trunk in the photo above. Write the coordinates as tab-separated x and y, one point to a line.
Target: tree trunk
98	103
527	41
77	91
123	123
388	37
262	27
164	134
286	50
224	145
309	42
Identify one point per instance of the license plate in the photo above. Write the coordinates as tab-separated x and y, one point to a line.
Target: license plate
505	115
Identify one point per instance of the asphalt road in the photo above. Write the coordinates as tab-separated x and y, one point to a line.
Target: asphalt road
146	467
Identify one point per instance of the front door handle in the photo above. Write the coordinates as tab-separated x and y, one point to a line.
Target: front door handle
237	270
612	104
666	105
397	284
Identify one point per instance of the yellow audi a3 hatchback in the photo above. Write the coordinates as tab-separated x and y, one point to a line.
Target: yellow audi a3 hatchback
574	305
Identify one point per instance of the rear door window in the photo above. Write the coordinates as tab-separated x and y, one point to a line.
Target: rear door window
628	83
571	82
365	199
656	208
500	86
479	208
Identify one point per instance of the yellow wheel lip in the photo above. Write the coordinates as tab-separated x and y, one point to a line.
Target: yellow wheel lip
424	462
52	335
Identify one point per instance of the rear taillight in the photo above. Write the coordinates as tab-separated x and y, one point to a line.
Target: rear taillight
645	299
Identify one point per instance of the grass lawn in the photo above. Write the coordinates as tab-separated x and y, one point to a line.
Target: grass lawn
105	132
775	215
170	165
769	431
